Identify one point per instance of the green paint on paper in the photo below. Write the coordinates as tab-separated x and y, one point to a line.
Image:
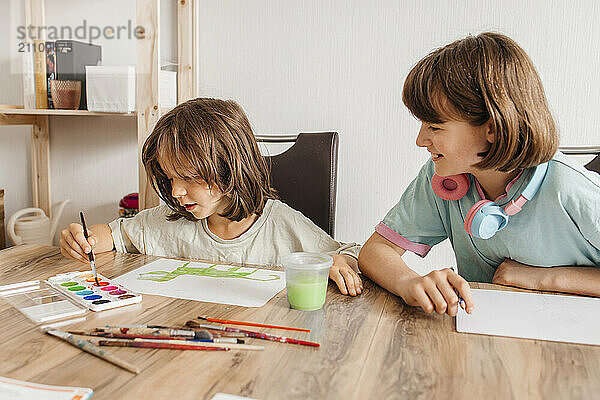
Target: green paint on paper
210	272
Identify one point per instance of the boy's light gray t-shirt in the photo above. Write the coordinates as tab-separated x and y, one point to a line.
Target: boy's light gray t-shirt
280	230
559	226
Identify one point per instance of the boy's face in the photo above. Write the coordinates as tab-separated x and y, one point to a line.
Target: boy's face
455	145
195	195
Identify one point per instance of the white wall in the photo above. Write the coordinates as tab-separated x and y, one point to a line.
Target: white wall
307	66
93	160
340	64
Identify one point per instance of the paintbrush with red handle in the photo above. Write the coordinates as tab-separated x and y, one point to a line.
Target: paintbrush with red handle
146	345
229	322
196	324
259	335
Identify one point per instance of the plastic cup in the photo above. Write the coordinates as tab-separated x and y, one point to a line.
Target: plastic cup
306	278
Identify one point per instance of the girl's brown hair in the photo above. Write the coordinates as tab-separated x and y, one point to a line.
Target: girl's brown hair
484	78
209	140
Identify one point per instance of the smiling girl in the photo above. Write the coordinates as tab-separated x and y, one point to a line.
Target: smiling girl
204	163
515	211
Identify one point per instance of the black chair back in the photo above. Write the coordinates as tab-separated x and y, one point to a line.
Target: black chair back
594	165
305	176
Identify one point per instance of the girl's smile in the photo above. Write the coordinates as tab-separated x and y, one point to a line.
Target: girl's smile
455	146
436	157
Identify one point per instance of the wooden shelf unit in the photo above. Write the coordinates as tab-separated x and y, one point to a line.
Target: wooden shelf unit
147	93
77	113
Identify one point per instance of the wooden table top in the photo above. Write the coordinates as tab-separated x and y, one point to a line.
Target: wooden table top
372	346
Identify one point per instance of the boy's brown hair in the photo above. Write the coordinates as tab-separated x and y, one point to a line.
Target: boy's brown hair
209	140
484	78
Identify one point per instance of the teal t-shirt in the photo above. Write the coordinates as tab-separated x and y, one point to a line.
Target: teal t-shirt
560	226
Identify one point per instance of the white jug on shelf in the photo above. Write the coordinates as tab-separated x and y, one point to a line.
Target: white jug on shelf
32	226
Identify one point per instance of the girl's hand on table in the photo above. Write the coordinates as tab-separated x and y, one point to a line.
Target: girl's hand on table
345	277
438	291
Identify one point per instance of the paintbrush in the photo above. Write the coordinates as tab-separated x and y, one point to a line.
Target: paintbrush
174	334
233	346
151	345
140	326
195	334
196	324
131	336
186	342
91	253
90	348
213	332
230	322
264	336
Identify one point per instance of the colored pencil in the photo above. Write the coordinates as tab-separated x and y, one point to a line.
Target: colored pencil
230	322
91	253
167	332
94	350
263	336
145	345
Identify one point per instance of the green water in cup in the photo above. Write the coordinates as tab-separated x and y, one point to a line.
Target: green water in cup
306	278
308	295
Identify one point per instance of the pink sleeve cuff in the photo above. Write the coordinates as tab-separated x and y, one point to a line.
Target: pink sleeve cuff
399	240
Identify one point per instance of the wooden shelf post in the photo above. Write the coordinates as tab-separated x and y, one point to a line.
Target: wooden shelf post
40	131
186	50
40	164
147	87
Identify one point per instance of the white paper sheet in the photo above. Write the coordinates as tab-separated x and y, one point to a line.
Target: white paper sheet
225	396
534	316
14	389
225	284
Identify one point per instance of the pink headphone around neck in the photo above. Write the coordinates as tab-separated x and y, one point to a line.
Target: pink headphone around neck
486	218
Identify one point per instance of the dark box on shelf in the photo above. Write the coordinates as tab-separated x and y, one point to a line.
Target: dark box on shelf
71	58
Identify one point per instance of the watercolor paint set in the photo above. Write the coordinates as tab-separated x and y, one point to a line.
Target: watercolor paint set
66	295
83	289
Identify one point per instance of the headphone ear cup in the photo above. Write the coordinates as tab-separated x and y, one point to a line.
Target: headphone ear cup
451	187
484	219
